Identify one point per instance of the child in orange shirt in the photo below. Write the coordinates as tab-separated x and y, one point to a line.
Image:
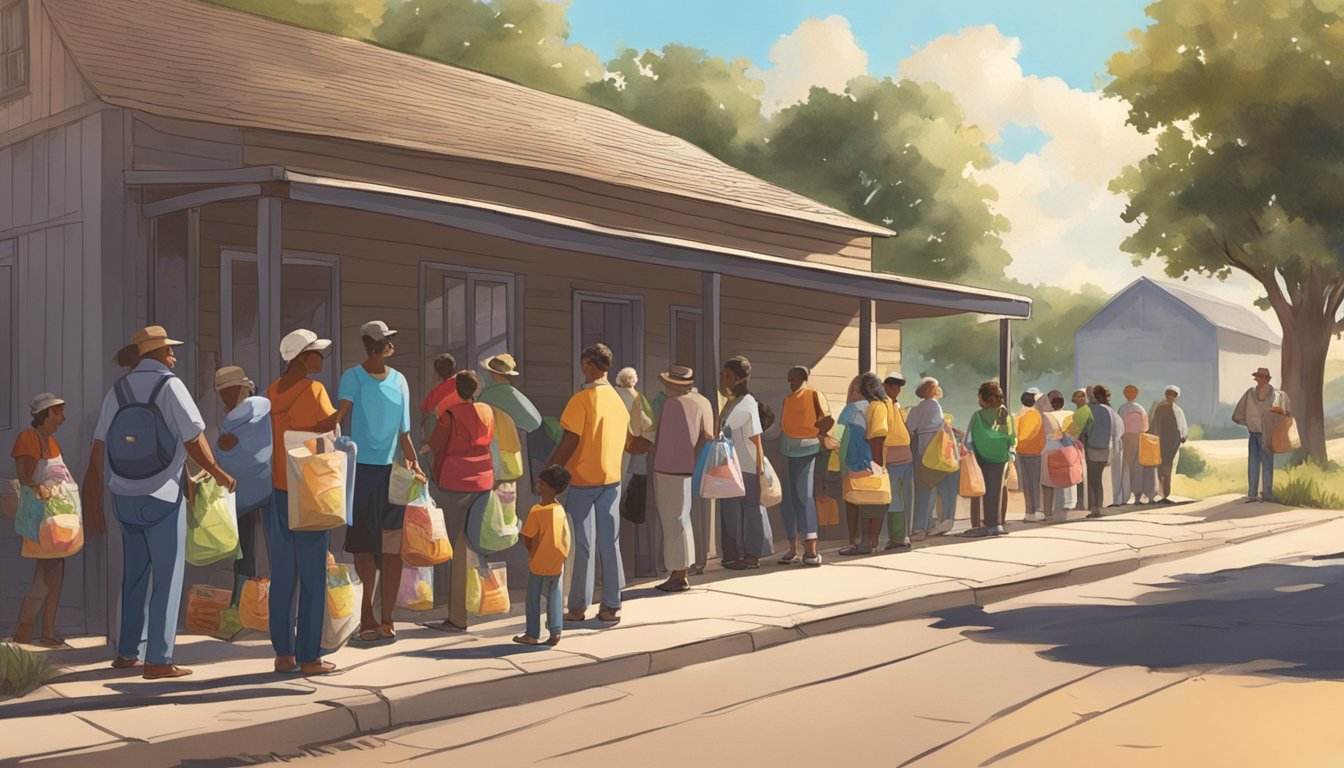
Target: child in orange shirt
546	536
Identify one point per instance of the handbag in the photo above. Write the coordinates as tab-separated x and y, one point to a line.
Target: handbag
634	501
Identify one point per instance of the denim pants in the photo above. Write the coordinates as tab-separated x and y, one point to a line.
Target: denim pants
901	512
949	490
744	523
153	541
594	520
1260	465
548	586
1029	480
800	506
298	559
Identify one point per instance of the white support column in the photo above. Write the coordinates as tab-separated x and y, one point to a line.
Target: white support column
867	335
269	261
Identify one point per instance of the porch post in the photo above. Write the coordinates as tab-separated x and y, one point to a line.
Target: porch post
1006	356
269	260
710	320
867	335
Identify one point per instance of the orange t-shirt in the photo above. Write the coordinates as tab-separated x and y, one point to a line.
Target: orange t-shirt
305	404
29	444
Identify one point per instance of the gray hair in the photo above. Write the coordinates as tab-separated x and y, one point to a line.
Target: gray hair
627	377
926	387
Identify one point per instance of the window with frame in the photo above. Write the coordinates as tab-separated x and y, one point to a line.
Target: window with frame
9	347
13	49
468	314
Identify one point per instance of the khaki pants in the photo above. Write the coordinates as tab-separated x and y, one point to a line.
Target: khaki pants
673	496
450	580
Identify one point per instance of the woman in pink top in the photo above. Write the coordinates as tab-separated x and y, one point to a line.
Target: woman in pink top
463	470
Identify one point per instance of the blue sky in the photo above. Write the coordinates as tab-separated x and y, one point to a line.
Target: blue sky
1070	39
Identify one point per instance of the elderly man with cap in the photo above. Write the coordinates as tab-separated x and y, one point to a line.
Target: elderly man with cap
900	467
1132	478
377	399
1259	411
245	451
147	427
684	425
1169	424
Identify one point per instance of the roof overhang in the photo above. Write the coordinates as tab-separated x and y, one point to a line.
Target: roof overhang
908	297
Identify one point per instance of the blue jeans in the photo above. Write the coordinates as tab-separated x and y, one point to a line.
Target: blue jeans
901	512
153	541
800	507
298	558
537	586
594	520
1260	465
744	523
948	491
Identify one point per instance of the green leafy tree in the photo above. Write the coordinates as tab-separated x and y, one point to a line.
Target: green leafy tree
348	18
526	41
1244	99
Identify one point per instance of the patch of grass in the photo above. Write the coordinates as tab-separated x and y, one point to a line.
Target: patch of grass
1214	482
1310	485
22	671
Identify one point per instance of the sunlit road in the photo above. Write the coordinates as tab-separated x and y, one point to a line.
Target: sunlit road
1230	658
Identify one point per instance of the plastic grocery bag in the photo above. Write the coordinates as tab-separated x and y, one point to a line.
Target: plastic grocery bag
59	527
772	490
720	475
318	487
492	521
488	589
212	526
417	588
424	536
342	611
254	607
872	487
405	486
205	604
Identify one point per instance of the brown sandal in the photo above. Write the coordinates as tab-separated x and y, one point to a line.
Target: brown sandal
317	668
387	632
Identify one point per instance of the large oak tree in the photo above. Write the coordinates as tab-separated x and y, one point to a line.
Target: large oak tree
1244	98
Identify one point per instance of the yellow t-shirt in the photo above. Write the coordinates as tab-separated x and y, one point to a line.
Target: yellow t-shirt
897	433
548	528
599	417
879	418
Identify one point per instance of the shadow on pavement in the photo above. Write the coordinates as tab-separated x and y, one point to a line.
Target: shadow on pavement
1288	617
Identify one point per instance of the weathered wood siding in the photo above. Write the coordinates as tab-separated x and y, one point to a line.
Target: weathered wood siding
54	83
51	212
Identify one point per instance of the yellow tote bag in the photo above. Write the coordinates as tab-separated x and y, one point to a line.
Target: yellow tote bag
1150	450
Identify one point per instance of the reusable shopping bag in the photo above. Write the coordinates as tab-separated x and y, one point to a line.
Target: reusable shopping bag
828	511
1011	482
871	487
405	486
318	474
205	604
212	526
488	589
342	615
424	536
254	607
972	478
60	529
772	490
1285	438
492	521
941	455
720	474
417	588
1150	450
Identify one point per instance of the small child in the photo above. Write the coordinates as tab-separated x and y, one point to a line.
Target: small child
546	536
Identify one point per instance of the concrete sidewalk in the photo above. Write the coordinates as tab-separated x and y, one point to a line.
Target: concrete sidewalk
234	705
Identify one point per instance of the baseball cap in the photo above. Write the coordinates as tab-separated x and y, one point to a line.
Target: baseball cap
1035	391
895	377
376	330
300	341
42	402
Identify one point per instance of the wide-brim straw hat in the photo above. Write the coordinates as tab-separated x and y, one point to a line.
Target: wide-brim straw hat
153	338
678	375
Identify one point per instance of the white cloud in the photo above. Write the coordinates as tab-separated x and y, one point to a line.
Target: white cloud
1066	226
820	52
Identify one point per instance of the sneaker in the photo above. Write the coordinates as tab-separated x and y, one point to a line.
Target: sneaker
790	558
944	526
855	549
999	530
812	560
1034	517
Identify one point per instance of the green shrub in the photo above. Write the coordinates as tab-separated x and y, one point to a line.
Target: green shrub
21	671
1190	463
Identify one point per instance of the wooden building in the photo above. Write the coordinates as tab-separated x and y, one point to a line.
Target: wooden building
233	178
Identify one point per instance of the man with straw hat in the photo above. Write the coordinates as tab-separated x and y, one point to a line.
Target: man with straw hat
147	428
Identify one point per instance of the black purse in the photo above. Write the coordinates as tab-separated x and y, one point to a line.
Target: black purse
634	500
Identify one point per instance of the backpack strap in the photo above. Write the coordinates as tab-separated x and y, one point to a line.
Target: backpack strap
123	392
163	382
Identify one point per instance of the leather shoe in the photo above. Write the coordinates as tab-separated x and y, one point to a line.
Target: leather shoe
607	616
575	616
164	671
123	662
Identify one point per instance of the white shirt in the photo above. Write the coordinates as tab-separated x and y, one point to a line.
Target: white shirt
182	417
744	422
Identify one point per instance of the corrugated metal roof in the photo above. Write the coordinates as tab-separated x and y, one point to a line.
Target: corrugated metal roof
188	60
1223	314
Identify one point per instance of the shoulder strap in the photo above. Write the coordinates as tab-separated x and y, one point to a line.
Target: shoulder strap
163	382
123	391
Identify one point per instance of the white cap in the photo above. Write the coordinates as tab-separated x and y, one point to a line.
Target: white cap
376	330
300	341
894	376
1034	391
42	402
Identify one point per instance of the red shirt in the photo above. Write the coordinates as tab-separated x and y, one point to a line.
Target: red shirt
444	390
461	445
